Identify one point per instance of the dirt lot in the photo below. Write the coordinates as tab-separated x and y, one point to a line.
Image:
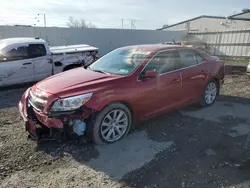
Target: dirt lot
191	147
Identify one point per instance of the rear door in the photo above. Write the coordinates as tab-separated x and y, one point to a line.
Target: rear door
15	66
41	60
164	91
193	74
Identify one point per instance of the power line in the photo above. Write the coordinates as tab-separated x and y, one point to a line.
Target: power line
58	21
66	18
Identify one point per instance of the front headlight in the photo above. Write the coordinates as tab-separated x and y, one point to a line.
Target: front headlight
70	103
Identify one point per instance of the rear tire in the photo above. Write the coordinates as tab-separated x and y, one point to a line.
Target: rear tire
107	132
209	94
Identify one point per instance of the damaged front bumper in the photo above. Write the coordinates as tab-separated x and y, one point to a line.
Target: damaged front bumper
54	126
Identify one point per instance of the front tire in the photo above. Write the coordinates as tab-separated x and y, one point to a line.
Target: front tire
210	93
111	124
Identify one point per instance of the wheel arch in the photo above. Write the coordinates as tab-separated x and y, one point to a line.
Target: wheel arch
67	67
218	84
127	104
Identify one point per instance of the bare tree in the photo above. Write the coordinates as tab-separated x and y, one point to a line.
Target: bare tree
74	23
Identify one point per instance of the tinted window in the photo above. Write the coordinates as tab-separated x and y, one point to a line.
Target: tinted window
190	58
164	62
199	59
37	50
15	54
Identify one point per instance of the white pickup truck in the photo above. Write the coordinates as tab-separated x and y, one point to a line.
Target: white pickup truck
24	60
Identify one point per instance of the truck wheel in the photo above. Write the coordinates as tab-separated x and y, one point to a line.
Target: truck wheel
210	93
111	124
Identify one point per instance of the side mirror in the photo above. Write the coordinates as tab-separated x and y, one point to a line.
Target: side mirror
148	74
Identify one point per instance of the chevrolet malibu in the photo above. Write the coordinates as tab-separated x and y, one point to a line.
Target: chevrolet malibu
127	85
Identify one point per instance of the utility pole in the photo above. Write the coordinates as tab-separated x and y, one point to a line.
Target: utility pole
44	19
132	25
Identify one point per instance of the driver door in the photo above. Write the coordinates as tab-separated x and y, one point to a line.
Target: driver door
163	92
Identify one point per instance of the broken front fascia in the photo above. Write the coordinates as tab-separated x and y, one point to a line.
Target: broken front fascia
75	121
64	123
69	122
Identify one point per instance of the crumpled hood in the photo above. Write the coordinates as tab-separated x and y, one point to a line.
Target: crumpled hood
73	80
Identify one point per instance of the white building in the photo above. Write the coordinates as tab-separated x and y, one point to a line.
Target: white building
213	23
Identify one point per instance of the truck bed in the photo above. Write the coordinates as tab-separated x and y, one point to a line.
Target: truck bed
69	49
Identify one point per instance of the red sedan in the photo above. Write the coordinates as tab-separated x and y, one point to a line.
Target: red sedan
127	85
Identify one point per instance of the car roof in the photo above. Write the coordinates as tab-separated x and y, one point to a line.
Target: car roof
153	47
17	40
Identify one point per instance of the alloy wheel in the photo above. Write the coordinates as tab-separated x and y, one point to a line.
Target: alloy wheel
114	125
210	93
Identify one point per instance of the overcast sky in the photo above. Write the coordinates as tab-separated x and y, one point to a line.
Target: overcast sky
148	14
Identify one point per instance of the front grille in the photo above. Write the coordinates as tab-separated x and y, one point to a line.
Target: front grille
37	101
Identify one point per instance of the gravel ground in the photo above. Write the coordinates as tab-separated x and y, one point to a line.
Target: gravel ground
191	147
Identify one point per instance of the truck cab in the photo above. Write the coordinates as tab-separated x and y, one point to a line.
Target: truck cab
24	60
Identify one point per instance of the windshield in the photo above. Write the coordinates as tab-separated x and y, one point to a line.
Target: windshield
119	61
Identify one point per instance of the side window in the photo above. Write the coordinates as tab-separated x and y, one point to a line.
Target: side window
164	62
190	58
17	53
199	59
37	50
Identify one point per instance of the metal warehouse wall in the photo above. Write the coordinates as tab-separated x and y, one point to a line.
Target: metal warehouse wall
233	43
104	39
211	24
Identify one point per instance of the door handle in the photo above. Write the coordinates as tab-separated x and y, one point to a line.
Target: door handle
27	63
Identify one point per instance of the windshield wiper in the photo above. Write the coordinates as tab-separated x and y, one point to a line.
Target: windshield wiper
97	70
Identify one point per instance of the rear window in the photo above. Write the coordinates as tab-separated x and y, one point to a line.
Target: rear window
190	58
37	50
